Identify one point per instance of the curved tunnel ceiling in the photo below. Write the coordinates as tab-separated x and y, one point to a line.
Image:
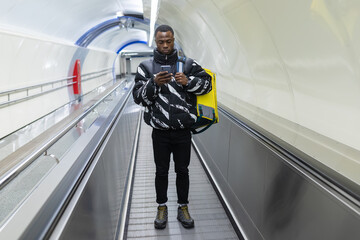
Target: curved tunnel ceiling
115	33
69	20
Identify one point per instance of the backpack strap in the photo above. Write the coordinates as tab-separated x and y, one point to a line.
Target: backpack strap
194	131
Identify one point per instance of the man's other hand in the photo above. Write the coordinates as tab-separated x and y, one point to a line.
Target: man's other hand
181	78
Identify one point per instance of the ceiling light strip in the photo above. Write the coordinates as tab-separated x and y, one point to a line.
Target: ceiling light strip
153	17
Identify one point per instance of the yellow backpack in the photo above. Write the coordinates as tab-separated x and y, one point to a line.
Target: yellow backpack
207	111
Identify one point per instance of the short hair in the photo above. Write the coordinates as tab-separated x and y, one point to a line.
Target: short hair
164	28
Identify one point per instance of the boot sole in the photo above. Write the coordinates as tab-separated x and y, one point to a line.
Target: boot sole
160	226
186	225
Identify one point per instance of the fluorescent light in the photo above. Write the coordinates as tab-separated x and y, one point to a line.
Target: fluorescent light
119	14
153	17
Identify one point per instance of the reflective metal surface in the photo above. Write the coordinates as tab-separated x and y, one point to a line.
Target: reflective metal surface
36	194
95	215
271	196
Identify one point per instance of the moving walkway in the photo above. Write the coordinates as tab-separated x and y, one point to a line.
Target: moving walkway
94	179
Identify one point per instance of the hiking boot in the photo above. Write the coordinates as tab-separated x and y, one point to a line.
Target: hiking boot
184	217
161	217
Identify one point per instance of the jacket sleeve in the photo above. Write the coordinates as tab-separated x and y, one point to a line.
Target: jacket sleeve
145	90
199	81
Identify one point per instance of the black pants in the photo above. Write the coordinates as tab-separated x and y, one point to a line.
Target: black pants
177	142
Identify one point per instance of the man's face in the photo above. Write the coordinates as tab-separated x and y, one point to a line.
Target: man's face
164	42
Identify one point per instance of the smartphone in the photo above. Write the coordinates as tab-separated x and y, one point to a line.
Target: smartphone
166	68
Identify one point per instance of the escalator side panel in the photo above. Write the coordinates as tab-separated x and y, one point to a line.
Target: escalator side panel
96	214
271	197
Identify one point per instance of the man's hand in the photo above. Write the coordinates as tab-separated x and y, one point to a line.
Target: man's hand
162	77
181	78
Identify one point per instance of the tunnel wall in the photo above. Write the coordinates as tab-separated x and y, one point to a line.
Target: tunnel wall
290	68
29	60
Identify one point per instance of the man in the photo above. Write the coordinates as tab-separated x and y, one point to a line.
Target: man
170	108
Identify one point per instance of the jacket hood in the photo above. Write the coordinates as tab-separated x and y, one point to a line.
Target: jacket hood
164	59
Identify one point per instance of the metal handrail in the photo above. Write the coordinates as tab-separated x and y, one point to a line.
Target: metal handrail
98	75
101	71
23	89
34	86
14	171
33	96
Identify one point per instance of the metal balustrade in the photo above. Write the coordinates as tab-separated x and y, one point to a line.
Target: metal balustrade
92	75
42	150
64	82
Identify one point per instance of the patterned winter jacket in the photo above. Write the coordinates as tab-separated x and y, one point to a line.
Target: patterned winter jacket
171	106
